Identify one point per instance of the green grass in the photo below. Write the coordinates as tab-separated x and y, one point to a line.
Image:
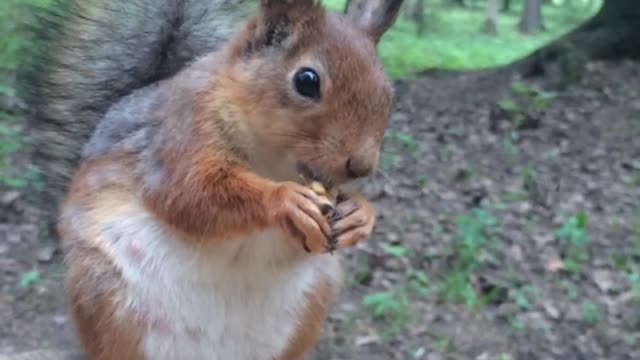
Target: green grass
14	41
453	40
475	246
574	233
590	312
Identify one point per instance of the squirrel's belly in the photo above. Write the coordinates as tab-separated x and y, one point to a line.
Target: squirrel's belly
236	301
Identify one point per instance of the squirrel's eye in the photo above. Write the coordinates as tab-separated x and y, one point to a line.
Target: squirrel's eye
307	83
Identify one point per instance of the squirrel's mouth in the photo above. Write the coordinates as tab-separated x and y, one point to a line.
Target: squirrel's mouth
310	174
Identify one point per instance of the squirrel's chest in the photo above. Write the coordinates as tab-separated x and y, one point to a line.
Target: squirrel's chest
235	301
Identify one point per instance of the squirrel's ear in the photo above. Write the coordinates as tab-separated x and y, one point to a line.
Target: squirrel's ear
375	17
278	17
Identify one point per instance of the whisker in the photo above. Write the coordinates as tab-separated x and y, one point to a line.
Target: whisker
295	135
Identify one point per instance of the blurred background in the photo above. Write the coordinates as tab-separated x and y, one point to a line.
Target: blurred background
508	194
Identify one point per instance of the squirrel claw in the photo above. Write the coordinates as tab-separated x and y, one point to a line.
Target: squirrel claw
333	243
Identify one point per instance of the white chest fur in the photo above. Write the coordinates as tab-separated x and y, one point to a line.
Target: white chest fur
236	301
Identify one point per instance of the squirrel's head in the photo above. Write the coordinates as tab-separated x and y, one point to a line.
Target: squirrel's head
308	89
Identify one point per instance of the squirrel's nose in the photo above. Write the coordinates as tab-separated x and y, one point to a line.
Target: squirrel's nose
359	167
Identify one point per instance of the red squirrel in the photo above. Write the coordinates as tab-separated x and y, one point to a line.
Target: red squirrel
188	232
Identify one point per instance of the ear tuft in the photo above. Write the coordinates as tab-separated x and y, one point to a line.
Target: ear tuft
375	17
278	18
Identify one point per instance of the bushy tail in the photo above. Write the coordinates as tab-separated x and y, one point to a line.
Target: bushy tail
97	51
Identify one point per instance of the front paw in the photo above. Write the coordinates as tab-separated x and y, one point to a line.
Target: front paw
353	222
299	213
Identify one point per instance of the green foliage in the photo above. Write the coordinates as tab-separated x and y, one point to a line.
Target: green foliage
590	312
509	105
14	40
527	98
633	278
505	357
523	108
395	250
397	143
12	141
423	181
15	45
517	324
627	264
529	177
384	303
475	237
442	343
405	141
636	239
571	290
29	278
521	296
418	282
393	307
509	144
475	246
574	232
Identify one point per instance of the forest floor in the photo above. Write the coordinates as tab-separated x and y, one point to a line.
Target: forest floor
508	228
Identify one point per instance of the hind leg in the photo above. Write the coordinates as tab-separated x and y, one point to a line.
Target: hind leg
314	313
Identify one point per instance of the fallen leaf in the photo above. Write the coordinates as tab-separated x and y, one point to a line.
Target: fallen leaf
9	197
367	340
551	310
604	280
45	254
554	264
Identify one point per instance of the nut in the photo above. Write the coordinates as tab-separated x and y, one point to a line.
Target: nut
327	205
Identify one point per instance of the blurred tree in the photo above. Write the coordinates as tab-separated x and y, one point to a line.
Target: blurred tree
346	6
416	12
506	5
613	33
491	22
531	20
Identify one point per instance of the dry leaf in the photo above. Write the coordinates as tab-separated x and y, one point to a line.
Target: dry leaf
554	264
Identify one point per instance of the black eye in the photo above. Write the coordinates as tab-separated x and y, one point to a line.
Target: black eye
307	83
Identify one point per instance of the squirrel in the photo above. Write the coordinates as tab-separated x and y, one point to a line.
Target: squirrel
187	229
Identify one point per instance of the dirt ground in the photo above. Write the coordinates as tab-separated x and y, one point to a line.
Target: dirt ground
552	262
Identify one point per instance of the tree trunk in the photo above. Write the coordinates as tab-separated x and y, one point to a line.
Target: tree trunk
346	6
506	5
415	11
491	22
531	20
613	33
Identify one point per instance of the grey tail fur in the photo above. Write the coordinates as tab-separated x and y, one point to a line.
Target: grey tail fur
94	52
